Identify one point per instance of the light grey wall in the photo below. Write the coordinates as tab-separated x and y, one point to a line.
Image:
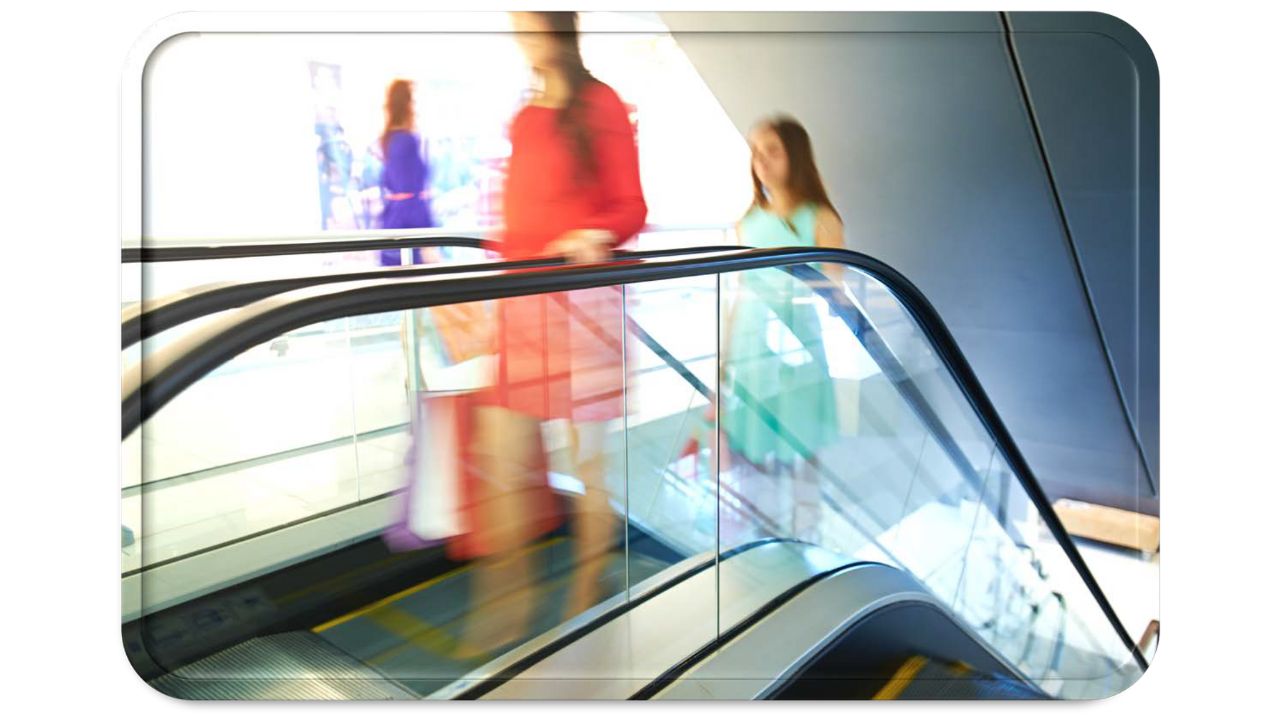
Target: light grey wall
927	149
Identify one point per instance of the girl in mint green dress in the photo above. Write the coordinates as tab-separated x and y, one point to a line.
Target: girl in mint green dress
778	409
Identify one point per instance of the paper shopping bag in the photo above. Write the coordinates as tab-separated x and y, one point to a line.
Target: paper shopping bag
431	504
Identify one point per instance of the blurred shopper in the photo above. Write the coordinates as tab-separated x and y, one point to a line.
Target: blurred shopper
572	190
779	409
405	198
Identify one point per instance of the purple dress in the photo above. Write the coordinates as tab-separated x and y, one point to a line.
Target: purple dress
404	173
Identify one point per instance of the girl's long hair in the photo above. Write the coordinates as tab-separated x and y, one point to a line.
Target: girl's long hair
803	181
571	120
399	107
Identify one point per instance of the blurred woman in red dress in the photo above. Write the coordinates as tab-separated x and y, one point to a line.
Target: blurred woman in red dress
572	190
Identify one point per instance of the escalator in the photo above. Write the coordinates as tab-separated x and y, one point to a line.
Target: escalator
306	593
402	644
843	637
930	520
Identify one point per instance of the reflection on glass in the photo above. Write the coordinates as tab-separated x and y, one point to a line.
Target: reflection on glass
778	405
670	426
844	429
262	441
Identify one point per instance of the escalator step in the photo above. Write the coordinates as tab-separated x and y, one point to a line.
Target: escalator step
413	636
289	666
921	678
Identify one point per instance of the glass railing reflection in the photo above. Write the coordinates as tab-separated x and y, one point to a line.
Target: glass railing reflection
910	456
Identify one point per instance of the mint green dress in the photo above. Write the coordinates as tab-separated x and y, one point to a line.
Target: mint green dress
776	361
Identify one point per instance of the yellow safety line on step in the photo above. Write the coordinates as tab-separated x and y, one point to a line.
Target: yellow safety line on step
901	679
415	631
390	599
416	588
439	639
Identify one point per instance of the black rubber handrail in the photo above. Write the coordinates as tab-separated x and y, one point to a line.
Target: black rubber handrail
223	252
275	316
169	315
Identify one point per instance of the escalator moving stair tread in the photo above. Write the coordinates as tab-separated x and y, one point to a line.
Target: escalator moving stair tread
414	638
921	678
289	666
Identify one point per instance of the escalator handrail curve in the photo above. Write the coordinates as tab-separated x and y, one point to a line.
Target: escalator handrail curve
155	320
176	368
179	253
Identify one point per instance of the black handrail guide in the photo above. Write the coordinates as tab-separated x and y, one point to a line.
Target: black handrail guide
224	252
170	315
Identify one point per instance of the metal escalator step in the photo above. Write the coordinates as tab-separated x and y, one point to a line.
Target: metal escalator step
290	666
901	679
412	637
920	678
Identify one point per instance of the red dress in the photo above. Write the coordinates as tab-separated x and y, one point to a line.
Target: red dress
560	355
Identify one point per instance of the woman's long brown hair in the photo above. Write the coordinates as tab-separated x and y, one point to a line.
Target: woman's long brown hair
803	181
399	107
563	27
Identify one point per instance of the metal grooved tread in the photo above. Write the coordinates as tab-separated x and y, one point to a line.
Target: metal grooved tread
290	666
923	679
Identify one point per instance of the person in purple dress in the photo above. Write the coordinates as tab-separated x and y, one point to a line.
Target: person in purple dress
405	198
